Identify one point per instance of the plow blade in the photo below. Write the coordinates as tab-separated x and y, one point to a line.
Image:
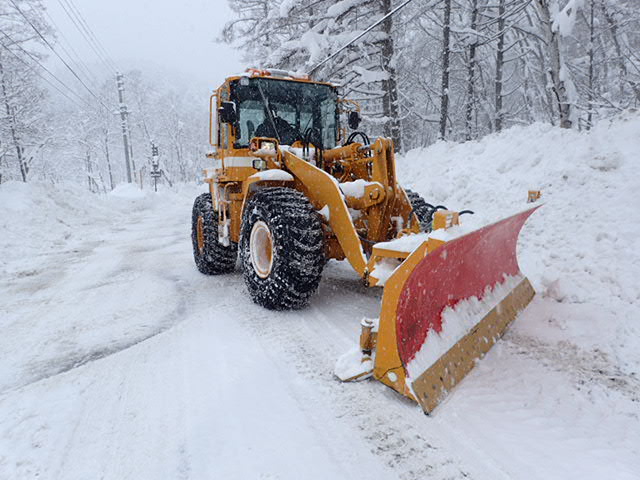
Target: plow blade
446	306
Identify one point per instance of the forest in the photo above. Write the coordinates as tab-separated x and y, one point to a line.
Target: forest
431	70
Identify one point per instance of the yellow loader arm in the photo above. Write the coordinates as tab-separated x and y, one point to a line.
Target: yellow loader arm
382	199
323	190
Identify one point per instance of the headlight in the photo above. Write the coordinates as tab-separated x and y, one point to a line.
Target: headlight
260	164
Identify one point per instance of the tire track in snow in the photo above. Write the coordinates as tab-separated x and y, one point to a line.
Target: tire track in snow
129	250
51	283
383	419
585	368
48	368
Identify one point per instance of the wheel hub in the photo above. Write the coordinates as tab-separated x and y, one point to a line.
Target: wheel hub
200	234
261	249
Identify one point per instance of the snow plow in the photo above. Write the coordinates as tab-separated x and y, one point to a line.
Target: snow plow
290	189
443	308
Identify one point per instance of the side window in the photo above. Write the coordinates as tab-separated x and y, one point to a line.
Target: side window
224	136
328	121
251	117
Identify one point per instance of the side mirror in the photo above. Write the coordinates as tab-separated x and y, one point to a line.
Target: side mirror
227	112
354	120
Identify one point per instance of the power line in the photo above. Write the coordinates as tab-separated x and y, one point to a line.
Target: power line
86	34
90	74
33	69
75	21
57	54
93	35
35	59
362	34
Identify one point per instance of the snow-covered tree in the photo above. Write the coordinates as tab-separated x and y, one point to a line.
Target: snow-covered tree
23	127
296	35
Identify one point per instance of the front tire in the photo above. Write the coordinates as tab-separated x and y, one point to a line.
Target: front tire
282	248
211	256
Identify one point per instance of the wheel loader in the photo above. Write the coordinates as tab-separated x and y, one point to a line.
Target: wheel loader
295	183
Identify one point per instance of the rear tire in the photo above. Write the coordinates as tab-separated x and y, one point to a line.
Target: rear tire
423	210
211	257
282	248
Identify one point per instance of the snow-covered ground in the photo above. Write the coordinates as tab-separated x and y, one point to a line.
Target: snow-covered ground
118	360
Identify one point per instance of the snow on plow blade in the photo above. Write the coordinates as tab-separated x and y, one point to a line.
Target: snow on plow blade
445	307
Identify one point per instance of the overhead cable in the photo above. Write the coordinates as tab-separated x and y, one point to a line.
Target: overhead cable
57	54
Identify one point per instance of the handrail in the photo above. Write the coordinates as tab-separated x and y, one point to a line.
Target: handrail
211	110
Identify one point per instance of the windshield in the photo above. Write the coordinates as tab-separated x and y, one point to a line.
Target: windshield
285	110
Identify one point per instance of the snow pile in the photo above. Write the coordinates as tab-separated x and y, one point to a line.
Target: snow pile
383	270
352	365
67	289
356	188
127	190
38	219
407	243
582	249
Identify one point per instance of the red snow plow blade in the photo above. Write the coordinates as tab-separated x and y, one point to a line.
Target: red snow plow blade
445	307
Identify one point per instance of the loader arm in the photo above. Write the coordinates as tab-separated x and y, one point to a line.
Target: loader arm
323	190
383	171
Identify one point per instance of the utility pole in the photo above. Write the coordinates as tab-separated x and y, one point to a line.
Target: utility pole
155	165
125	125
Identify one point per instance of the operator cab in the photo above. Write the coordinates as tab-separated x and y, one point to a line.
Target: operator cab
276	104
288	111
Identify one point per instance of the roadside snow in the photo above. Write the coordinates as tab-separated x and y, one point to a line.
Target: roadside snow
563	385
582	249
127	190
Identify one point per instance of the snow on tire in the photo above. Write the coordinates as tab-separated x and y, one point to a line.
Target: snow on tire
282	248
211	257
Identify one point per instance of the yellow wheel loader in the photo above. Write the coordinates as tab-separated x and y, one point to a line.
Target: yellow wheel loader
290	189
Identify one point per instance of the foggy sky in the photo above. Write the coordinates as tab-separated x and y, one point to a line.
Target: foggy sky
173	34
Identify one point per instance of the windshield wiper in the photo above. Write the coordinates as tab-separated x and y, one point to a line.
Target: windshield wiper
269	114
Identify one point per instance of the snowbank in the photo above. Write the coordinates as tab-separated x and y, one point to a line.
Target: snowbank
582	249
127	190
39	218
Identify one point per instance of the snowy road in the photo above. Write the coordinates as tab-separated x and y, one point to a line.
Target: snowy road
125	362
121	361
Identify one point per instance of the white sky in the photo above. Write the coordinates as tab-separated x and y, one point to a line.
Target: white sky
174	34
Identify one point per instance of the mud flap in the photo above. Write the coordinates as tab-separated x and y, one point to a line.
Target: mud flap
442	310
